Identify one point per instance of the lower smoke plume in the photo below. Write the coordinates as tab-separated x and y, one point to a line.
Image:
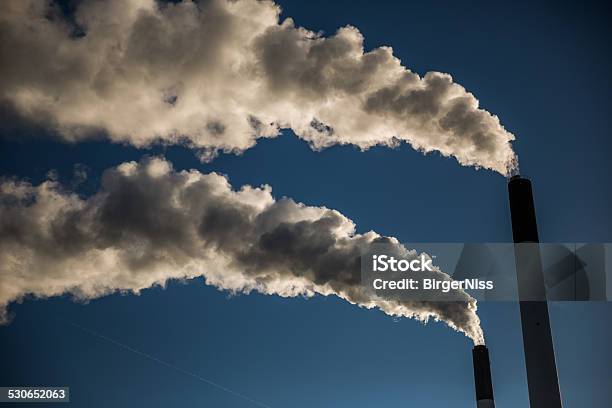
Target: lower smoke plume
149	223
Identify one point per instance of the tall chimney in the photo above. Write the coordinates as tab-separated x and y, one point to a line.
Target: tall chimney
482	377
537	339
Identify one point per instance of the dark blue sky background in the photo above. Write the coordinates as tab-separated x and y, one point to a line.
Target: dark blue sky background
542	68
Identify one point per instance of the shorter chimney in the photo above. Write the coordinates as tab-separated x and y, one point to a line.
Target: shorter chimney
482	377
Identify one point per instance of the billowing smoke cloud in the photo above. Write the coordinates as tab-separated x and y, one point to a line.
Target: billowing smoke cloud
217	75
149	223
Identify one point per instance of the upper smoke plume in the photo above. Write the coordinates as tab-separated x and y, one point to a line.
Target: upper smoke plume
149	223
218	74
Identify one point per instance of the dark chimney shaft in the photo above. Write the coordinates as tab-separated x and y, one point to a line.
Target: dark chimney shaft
537	339
482	377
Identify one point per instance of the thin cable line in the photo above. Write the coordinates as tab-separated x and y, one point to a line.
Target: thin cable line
169	365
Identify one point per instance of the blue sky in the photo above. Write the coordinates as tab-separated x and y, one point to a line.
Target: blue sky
542	68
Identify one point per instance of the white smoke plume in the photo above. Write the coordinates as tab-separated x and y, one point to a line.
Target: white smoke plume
148	224
218	75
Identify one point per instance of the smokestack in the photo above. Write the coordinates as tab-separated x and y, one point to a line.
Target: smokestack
522	209
542	377
482	377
